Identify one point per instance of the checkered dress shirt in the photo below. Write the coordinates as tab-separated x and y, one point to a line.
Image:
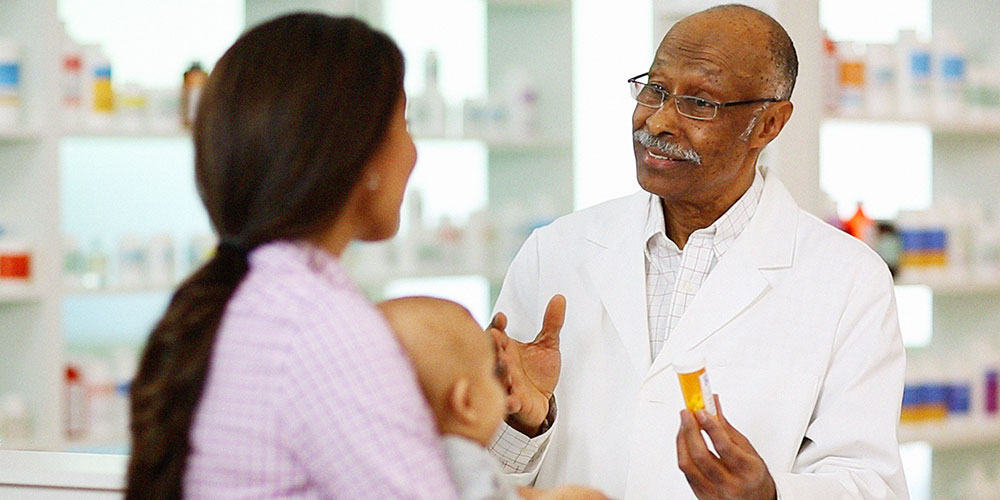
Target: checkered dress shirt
674	276
309	395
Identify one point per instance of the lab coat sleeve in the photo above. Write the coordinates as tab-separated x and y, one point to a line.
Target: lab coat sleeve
518	297
850	449
518	300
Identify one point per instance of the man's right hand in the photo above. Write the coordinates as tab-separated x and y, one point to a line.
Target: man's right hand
532	368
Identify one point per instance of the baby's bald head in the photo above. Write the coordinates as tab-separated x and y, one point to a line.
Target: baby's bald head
452	356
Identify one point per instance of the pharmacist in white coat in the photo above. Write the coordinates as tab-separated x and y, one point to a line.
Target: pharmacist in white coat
797	320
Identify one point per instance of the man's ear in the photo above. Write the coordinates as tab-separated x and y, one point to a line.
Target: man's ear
774	119
460	401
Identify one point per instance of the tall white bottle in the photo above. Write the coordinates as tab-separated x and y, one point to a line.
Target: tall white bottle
949	76
913	70
880	80
427	113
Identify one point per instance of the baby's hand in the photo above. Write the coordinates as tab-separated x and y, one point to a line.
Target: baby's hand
570	492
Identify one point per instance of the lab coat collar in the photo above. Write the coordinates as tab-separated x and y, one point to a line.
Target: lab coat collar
617	269
757	257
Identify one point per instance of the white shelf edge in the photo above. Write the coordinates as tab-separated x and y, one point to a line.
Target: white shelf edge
15	293
118	290
20	134
529	3
121	131
533	144
957	285
972	126
369	280
951	433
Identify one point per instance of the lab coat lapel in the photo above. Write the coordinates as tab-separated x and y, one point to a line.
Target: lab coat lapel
741	275
617	269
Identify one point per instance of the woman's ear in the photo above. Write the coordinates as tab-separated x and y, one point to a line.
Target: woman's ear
460	401
774	119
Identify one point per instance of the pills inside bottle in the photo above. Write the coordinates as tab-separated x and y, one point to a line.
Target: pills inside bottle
693	377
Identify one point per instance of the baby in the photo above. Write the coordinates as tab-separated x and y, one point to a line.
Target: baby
457	367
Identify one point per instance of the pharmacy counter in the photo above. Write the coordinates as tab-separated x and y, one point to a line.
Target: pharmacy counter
44	475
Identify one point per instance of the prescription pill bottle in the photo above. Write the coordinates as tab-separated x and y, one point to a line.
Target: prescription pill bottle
693	377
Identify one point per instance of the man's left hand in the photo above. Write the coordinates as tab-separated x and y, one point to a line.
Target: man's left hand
737	472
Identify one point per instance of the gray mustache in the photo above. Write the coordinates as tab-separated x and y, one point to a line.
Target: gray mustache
642	136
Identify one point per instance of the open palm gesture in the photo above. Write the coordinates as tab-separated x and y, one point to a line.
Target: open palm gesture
532	368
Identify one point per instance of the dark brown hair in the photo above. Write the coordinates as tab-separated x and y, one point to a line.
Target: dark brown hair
290	117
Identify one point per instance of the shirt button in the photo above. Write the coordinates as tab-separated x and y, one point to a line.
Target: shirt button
688	287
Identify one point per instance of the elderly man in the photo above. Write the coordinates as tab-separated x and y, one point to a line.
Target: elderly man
797	321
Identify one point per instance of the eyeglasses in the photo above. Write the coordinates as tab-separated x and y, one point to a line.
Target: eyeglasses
653	96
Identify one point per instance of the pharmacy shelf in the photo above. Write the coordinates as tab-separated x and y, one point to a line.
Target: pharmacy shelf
118	290
15	293
19	134
501	144
952	126
117	130
101	446
369	279
952	433
953	285
529	3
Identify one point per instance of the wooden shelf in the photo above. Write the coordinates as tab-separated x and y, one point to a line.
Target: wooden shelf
951	433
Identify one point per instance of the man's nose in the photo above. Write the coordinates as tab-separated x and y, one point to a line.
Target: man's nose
664	120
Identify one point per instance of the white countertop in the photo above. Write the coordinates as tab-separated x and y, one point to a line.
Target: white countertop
65	471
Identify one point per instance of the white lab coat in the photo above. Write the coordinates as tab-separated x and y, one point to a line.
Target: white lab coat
798	324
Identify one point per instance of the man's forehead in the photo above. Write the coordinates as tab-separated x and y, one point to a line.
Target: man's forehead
698	47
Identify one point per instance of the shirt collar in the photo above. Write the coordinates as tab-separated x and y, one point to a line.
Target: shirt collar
284	256
723	232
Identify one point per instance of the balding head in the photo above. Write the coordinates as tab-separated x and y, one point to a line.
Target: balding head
440	337
456	364
752	30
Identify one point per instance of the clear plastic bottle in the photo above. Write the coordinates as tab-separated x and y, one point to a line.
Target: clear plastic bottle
77	409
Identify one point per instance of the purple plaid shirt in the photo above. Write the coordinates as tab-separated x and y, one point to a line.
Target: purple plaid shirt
309	395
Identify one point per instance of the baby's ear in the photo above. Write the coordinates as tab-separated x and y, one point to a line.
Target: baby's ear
460	401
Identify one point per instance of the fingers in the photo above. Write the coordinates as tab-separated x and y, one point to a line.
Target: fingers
728	451
737	472
499	338
514	404
734	435
552	322
693	456
499	322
